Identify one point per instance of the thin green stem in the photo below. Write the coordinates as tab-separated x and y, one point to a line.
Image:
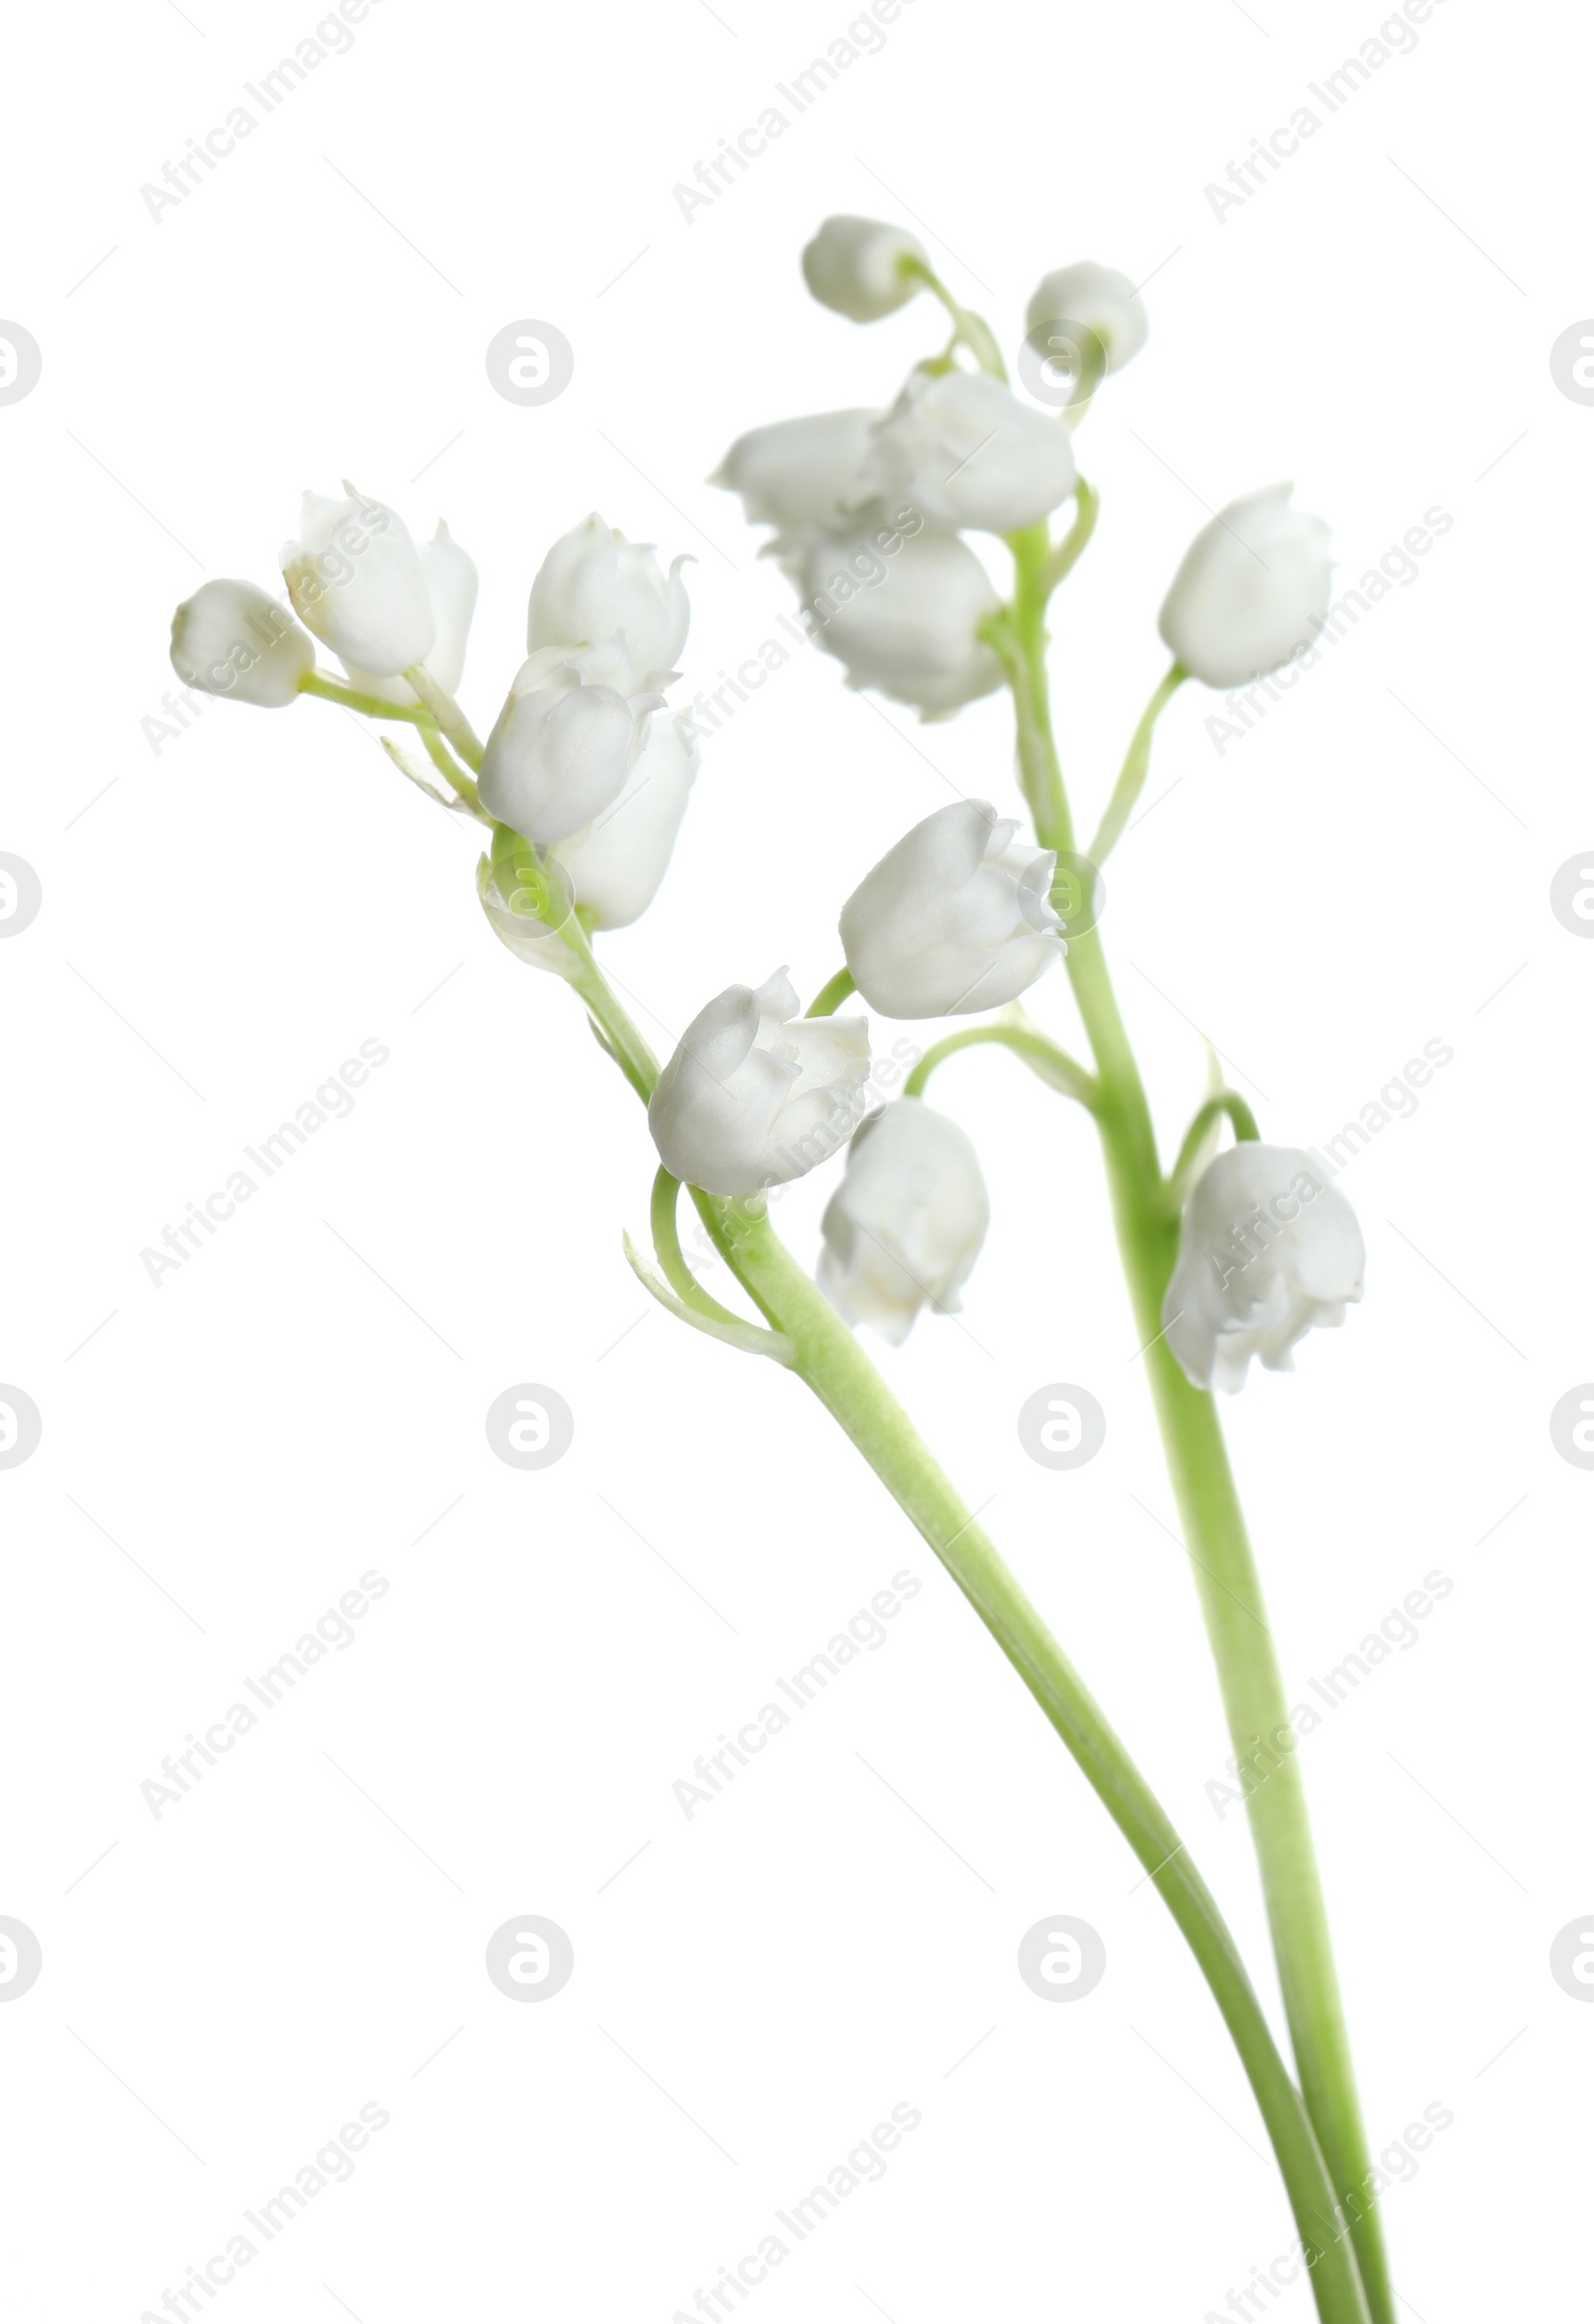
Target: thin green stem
1131	775
1054	1065
442	758
1069	550
975	332
830	996
663	1220
830	1360
1226	1101
328	689
446	711
1019	638
1224	1571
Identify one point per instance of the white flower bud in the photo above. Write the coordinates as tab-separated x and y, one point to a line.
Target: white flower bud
755	1094
617	865
451	579
525	932
1266	1250
961	449
1101	298
596	587
954	919
566	739
856	265
355	579
907	1221
230	637
800	471
1252	590
906	623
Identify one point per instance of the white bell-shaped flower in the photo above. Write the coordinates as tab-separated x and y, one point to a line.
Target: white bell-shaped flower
1252	590
451	586
799	473
565	741
863	269
961	448
357	579
955	917
231	638
1099	297
756	1095
1266	1250
908	624
594	586
617	864
907	1223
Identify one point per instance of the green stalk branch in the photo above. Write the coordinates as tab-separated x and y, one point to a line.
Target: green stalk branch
442	707
1044	1057
1226	1101
830	996
328	689
442	758
1215	1531
1132	776
663	1219
1061	561
975	332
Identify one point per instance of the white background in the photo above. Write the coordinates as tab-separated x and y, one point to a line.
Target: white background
224	920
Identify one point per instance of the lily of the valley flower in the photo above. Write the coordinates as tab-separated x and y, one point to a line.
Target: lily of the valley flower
800	472
755	1094
953	918
451	579
565	741
231	638
617	864
1252	590
1101	298
355	579
596	587
907	1221
863	269
1266	1251
912	632
962	449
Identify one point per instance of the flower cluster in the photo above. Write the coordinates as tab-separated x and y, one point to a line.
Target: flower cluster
585	775
584	760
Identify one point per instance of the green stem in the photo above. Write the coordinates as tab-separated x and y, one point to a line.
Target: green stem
663	1220
1227	1101
1061	561
1215	1531
1132	776
822	1348
830	997
328	689
446	711
1021	639
442	758
1053	1065
830	1360
975	332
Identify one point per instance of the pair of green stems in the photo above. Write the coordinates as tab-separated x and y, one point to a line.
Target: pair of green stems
1315	2127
